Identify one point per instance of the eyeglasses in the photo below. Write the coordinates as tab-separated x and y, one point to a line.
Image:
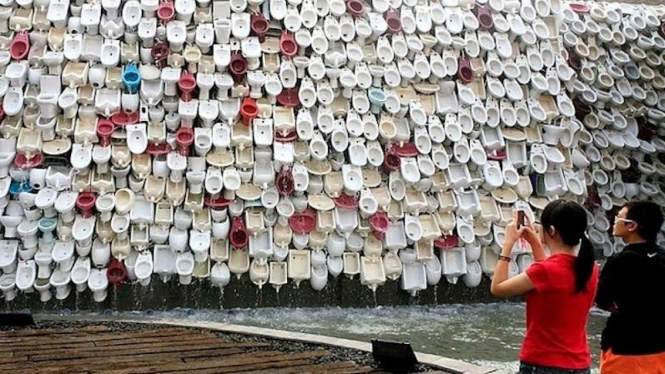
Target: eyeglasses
626	220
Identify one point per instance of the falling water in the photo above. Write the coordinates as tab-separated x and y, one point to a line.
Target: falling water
137	295
221	298
77	301
114	303
436	294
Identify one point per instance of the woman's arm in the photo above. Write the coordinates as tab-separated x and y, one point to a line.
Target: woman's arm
501	285
531	236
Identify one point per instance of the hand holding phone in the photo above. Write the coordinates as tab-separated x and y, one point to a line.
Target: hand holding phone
520	219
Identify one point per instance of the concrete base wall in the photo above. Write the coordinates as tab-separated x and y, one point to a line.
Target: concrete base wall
242	293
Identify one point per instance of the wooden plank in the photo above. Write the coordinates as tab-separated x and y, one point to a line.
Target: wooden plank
129	361
101	336
96	367
190	336
14	359
9	348
93	348
312	368
249	360
48	331
107	353
268	367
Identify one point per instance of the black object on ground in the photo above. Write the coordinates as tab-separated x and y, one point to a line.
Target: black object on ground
16	319
394	357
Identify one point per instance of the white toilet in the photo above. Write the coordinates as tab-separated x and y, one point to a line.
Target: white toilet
8	285
8	255
43	260
26	273
81	273
43	286
63	254
98	283
60	281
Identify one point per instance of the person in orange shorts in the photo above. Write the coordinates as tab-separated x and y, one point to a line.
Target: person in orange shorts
632	288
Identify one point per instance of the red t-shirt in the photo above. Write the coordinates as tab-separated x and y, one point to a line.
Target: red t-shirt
556	315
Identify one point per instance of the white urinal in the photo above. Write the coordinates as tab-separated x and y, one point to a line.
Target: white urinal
220	276
143	268
319	277
184	266
164	262
453	263
474	274
414	277
433	270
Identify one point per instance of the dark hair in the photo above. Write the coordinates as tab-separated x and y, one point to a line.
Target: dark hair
648	216
570	221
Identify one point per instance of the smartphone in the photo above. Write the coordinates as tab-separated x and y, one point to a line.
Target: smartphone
520	219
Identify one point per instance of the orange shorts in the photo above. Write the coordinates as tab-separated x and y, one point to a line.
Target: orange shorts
611	363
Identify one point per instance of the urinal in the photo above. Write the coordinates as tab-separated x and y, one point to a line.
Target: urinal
372	272
184	265
143	267
81	273
473	274
220	276
414	277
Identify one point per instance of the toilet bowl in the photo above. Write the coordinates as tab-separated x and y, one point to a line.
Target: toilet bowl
98	284
83	228
26	274
60	280
63	254
101	253
137	138
43	261
81	273
8	286
43	286
81	156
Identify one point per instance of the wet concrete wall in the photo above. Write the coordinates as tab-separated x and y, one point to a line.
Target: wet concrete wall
242	293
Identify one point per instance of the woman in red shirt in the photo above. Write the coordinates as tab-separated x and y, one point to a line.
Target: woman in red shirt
559	289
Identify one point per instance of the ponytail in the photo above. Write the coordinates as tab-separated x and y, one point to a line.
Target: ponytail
570	221
584	264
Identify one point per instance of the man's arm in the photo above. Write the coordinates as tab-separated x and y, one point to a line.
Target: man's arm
606	295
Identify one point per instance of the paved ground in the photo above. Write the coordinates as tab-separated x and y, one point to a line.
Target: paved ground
136	349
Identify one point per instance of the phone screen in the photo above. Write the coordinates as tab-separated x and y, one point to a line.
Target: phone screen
520	219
